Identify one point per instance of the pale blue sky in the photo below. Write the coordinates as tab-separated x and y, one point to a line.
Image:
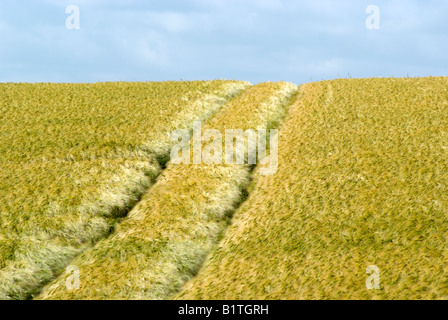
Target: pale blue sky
255	40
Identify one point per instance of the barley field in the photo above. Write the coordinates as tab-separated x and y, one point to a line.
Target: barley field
362	181
169	233
75	157
86	180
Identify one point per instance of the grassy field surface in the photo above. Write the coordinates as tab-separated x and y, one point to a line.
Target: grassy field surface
362	180
169	233
75	157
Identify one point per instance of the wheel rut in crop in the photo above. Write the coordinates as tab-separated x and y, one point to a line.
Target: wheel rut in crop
168	234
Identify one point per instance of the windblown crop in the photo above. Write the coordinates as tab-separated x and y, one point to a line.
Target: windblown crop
75	157
85	180
362	180
168	234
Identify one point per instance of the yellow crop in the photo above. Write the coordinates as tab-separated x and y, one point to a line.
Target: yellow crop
75	157
86	181
362	181
171	230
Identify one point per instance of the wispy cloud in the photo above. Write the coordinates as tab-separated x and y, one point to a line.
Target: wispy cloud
256	40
